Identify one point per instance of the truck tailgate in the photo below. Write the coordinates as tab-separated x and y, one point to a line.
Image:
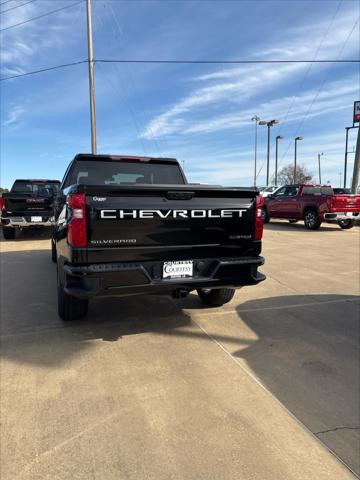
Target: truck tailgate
155	220
23	203
345	203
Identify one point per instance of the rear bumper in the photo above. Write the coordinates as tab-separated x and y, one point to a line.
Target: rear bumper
123	279
342	216
26	222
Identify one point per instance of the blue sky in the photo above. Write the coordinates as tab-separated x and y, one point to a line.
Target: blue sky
200	114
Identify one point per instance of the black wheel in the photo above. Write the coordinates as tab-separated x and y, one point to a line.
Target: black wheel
69	307
346	224
53	251
265	215
312	220
9	233
216	297
293	221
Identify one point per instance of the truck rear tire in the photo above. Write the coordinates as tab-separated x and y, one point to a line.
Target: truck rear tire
346	224
53	251
311	219
265	215
9	233
216	297
69	307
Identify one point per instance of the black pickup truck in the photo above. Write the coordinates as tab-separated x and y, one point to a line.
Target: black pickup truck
28	204
133	225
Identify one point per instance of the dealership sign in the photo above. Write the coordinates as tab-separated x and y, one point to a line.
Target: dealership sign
356	111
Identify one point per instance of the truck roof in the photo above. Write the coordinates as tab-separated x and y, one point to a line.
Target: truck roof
90	156
38	180
307	185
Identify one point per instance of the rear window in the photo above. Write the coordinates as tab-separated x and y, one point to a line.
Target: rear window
34	187
317	190
342	191
116	173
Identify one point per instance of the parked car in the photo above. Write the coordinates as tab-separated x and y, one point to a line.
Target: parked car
265	192
29	203
313	204
133	225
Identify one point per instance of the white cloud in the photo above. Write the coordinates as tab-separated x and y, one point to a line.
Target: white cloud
337	96
23	45
13	116
230	86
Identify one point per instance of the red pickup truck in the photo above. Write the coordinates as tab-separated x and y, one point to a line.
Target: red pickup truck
313	204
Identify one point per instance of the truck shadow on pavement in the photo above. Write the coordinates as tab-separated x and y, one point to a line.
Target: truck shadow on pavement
302	348
29	234
31	330
300	227
307	356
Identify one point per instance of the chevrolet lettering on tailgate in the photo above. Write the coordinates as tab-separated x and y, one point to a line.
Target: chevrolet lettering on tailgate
125	214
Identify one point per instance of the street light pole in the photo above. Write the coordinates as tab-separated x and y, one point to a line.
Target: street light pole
346	153
320	155
295	157
91	77
256	119
268	155
356	162
279	137
355	179
269	125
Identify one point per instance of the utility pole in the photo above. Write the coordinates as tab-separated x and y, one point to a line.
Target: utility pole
355	179
346	153
256	119
295	156
91	77
320	155
279	137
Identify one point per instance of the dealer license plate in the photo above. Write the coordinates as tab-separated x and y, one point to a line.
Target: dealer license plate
36	219
180	269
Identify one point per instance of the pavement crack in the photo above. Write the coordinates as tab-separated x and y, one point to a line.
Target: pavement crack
282	284
336	428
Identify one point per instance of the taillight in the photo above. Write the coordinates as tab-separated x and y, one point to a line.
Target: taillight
77	224
259	222
2	203
330	202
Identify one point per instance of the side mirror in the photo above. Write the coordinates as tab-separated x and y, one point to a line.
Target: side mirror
270	195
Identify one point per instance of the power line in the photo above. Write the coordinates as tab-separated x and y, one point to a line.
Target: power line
325	79
18	6
173	61
310	66
295	97
226	61
7	1
43	70
129	108
41	16
131	78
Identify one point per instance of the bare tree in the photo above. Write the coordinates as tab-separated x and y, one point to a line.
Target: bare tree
286	175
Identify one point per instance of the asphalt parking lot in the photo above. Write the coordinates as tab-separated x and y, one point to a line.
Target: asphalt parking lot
155	388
